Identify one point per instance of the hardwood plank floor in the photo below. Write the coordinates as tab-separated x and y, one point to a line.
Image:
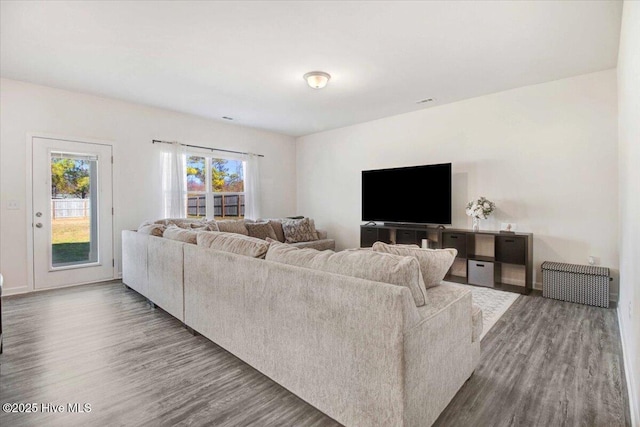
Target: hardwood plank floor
544	363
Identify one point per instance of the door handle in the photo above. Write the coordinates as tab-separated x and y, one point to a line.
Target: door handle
39	225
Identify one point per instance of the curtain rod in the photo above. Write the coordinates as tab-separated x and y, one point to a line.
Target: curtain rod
205	148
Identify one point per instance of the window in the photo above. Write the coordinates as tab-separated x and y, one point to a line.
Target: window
215	187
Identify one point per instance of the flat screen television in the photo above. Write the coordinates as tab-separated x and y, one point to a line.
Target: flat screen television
414	195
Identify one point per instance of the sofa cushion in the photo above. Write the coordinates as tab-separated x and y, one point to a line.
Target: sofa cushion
261	230
236	226
152	229
299	230
370	265
434	263
233	242
173	232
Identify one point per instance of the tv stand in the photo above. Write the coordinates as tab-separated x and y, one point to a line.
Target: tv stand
396	233
485	258
409	225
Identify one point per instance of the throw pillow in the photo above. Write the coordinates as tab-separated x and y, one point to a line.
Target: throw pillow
180	234
364	264
276	223
187	223
152	229
298	230
233	242
261	230
211	225
233	226
313	226
199	226
434	263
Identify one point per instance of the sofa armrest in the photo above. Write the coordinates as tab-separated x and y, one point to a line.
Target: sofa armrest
135	261
440	356
166	284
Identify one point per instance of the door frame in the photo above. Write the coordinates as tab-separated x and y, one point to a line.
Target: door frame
29	202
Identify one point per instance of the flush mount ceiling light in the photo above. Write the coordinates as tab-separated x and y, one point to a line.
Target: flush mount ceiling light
317	79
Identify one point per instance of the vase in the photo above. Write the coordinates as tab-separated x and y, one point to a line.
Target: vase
476	224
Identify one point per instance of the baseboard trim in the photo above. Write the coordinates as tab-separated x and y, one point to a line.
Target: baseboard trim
21	290
633	401
15	291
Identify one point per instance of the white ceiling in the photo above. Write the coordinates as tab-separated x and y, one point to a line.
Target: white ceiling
246	59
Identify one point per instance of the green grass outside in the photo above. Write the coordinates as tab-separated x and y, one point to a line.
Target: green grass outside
70	240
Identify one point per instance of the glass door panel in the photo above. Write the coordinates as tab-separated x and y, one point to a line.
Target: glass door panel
74	218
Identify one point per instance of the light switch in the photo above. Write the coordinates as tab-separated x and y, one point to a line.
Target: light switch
13	205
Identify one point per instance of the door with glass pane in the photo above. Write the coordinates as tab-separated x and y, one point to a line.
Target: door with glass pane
72	213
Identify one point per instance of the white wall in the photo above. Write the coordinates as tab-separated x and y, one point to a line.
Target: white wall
629	155
545	154
30	108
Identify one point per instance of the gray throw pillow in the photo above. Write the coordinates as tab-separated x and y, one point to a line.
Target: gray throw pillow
299	230
434	263
261	230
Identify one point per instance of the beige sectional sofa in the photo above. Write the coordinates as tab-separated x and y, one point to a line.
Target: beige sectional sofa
359	350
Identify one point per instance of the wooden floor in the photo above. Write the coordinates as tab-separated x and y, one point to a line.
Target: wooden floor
545	363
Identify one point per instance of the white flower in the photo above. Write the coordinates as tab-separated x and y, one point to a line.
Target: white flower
480	208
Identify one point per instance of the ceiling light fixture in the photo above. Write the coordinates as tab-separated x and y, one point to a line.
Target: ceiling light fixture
317	79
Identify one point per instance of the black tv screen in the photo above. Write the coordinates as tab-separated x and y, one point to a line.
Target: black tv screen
417	195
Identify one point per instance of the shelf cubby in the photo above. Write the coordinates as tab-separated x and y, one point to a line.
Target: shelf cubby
510	253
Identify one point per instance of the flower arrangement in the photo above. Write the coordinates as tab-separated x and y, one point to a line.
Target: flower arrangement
481	208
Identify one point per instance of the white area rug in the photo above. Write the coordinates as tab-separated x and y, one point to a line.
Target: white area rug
493	303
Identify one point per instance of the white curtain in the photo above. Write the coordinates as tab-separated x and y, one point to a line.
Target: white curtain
252	187
174	182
